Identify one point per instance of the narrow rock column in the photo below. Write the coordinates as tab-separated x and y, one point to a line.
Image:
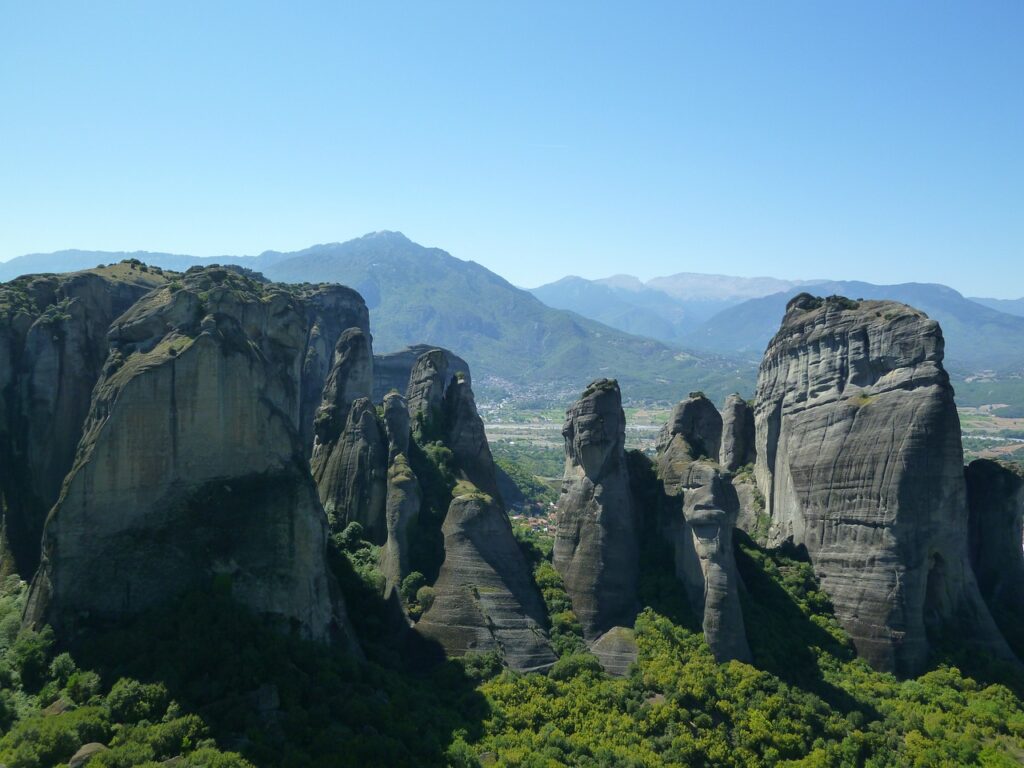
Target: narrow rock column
596	541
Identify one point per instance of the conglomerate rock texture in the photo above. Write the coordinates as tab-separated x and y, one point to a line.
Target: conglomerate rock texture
596	548
995	495
191	467
860	462
485	599
53	343
701	512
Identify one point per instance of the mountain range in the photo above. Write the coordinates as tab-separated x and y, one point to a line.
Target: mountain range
517	345
660	338
736	316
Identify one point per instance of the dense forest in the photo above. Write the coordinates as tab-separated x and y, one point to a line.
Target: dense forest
204	683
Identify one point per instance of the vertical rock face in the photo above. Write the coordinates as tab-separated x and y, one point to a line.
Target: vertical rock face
402	507
596	541
350	450
351	472
53	342
396	423
392	371
696	421
859	460
702	512
330	311
485	599
995	496
737	434
191	468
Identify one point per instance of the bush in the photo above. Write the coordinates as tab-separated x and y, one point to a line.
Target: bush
130	701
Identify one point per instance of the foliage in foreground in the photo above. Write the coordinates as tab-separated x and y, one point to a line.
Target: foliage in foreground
205	680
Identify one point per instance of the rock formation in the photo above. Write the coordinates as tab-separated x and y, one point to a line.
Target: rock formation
860	462
191	467
995	497
596	532
350	449
485	599
53	342
402	507
392	371
702	509
737	434
330	311
396	424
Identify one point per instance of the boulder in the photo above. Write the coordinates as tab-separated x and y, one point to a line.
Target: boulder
191	469
616	650
860	463
595	547
85	753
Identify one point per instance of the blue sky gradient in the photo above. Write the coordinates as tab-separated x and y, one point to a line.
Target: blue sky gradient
874	141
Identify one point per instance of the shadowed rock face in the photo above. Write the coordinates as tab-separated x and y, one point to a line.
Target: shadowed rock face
859	460
698	422
330	311
53	343
484	597
191	467
392	371
702	509
401	510
995	494
596	541
350	450
351	472
396	424
737	434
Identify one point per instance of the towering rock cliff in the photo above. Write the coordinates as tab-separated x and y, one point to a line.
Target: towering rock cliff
53	342
350	449
860	462
484	597
995	495
191	466
330	311
702	509
737	434
596	531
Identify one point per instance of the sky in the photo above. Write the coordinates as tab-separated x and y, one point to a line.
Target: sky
877	141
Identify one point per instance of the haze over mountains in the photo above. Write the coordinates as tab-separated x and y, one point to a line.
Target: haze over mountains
736	315
415	294
705	330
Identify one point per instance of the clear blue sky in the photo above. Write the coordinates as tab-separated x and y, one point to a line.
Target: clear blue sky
876	141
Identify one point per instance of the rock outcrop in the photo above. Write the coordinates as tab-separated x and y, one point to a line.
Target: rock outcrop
702	509
350	448
402	507
330	311
484	598
191	467
53	343
737	434
860	462
995	497
392	371
596	531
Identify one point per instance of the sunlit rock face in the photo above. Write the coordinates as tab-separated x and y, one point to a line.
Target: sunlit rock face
701	512
860	462
191	467
596	532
